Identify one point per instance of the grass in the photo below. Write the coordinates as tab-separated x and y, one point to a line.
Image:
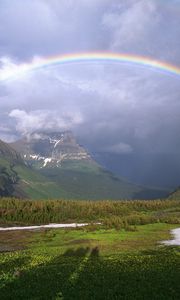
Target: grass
175	194
29	183
107	241
87	275
86	264
122	258
86	180
89	183
113	214
36	186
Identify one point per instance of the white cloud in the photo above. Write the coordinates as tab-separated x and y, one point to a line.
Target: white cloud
27	122
130	26
6	134
115	103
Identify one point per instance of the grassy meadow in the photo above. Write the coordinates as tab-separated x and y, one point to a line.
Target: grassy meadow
121	258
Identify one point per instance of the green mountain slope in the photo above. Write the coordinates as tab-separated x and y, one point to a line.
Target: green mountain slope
35	186
17	179
8	176
88	180
175	195
72	172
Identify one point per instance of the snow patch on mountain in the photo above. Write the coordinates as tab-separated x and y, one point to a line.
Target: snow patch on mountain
34	156
47	160
56	141
50	149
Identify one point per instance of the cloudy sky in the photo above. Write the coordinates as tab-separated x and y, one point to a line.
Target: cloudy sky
118	108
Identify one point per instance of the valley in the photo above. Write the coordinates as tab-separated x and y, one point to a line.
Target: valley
89	150
52	165
95	241
119	254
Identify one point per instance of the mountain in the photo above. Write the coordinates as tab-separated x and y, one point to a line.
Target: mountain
42	149
8	176
8	153
19	180
60	159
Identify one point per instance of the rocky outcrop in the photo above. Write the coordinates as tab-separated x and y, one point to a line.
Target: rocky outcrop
45	149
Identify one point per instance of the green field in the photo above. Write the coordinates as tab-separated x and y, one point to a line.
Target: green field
113	214
122	258
84	264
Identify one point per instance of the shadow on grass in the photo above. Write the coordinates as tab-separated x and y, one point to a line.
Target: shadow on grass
10	264
81	251
83	274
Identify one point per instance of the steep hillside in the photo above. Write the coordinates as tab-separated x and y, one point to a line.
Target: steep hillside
8	176
7	152
60	159
175	195
17	179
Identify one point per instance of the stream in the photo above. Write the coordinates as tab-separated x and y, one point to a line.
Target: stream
71	225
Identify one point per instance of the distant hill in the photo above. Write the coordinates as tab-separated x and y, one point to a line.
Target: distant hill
58	158
175	195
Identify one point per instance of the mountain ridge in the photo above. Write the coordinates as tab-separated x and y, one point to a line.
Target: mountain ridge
42	149
60	159
8	176
17	179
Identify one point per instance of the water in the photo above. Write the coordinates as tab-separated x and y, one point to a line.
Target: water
71	225
176	240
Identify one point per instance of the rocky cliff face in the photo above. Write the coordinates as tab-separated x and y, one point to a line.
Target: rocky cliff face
7	152
9	159
43	149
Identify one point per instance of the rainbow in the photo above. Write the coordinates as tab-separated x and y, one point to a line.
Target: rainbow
105	57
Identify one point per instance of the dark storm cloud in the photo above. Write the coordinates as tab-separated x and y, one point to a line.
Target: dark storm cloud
122	108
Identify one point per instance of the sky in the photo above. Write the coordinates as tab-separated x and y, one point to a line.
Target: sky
111	107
